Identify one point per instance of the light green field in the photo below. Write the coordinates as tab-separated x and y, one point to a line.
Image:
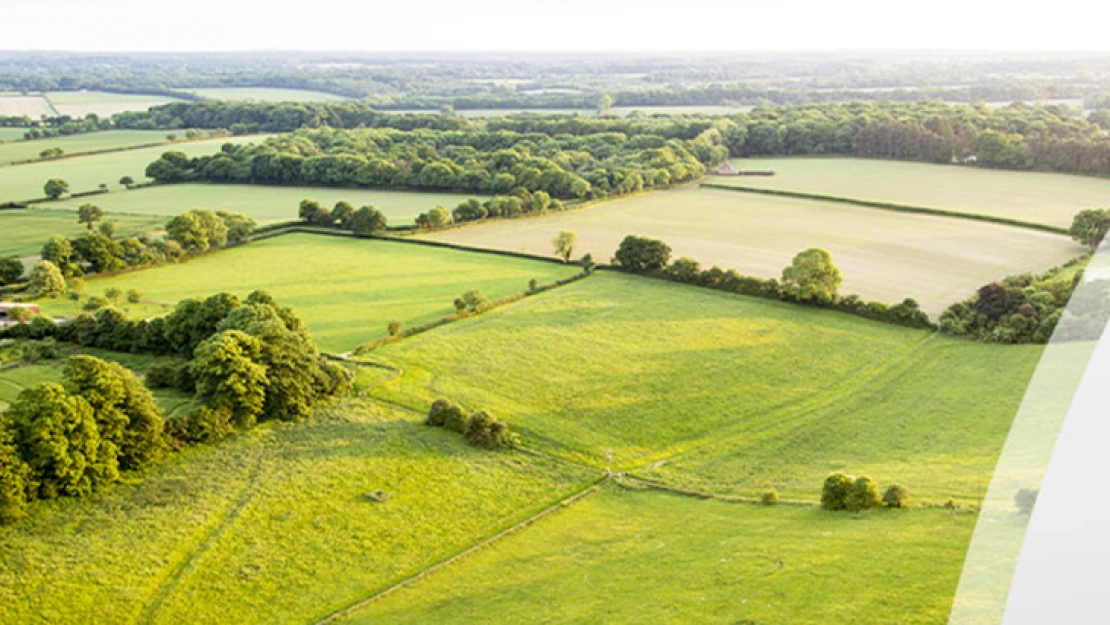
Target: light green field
270	526
266	94
33	106
85	173
77	104
264	203
26	230
883	255
346	290
8	133
648	557
1051	199
722	392
76	144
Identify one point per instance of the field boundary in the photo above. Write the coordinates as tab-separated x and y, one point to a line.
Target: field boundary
889	206
592	488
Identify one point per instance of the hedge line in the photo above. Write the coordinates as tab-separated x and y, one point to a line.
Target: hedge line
901	208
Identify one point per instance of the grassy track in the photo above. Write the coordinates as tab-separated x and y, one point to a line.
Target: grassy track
346	290
271	526
266	94
26	230
735	394
265	204
84	173
1051	199
884	255
76	144
648	557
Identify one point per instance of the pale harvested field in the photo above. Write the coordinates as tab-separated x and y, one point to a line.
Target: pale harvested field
884	255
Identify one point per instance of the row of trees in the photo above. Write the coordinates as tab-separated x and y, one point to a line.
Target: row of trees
811	278
855	494
365	221
479	429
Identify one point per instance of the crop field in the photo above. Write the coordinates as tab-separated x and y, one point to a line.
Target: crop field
264	203
33	106
103	104
724	392
883	255
86	173
266	94
347	290
1051	199
76	144
271	526
648	557
26	230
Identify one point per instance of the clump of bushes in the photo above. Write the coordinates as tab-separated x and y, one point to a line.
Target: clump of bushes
855	494
896	496
480	429
770	497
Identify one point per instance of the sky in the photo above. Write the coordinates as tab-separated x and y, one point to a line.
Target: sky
554	25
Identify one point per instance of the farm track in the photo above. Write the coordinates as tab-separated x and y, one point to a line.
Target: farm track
209	536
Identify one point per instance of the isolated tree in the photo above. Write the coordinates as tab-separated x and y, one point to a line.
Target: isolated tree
89	214
11	270
1089	227
368	221
47	280
564	244
55	188
134	296
58	437
127	181
896	496
17	485
812	277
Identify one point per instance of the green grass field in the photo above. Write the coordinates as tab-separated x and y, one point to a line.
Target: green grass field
265	204
347	290
883	255
722	392
8	133
265	94
104	104
649	557
1051	199
86	173
270	526
26	230
76	144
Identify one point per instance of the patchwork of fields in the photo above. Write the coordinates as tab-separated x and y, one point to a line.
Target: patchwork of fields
883	255
76	104
347	290
1051	199
265	204
86	173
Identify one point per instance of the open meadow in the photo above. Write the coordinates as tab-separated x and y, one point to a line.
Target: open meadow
883	255
271	526
76	144
25	230
12	133
78	104
263	203
647	557
265	94
86	173
347	290
722	392
1051	199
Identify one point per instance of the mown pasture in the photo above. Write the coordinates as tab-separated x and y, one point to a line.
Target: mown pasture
87	173
1046	198
77	144
265	94
25	230
264	203
271	526
883	255
347	290
101	103
649	557
722	392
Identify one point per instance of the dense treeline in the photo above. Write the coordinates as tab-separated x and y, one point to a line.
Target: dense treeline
812	278
248	361
251	117
479	161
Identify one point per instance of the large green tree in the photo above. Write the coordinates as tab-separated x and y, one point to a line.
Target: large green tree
1089	227
89	214
47	280
55	188
229	376
812	277
368	221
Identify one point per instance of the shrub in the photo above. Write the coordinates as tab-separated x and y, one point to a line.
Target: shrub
835	491
770	497
394	328
206	423
640	254
863	495
482	430
896	496
446	414
533	285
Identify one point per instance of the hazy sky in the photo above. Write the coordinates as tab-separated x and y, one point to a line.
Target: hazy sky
549	25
